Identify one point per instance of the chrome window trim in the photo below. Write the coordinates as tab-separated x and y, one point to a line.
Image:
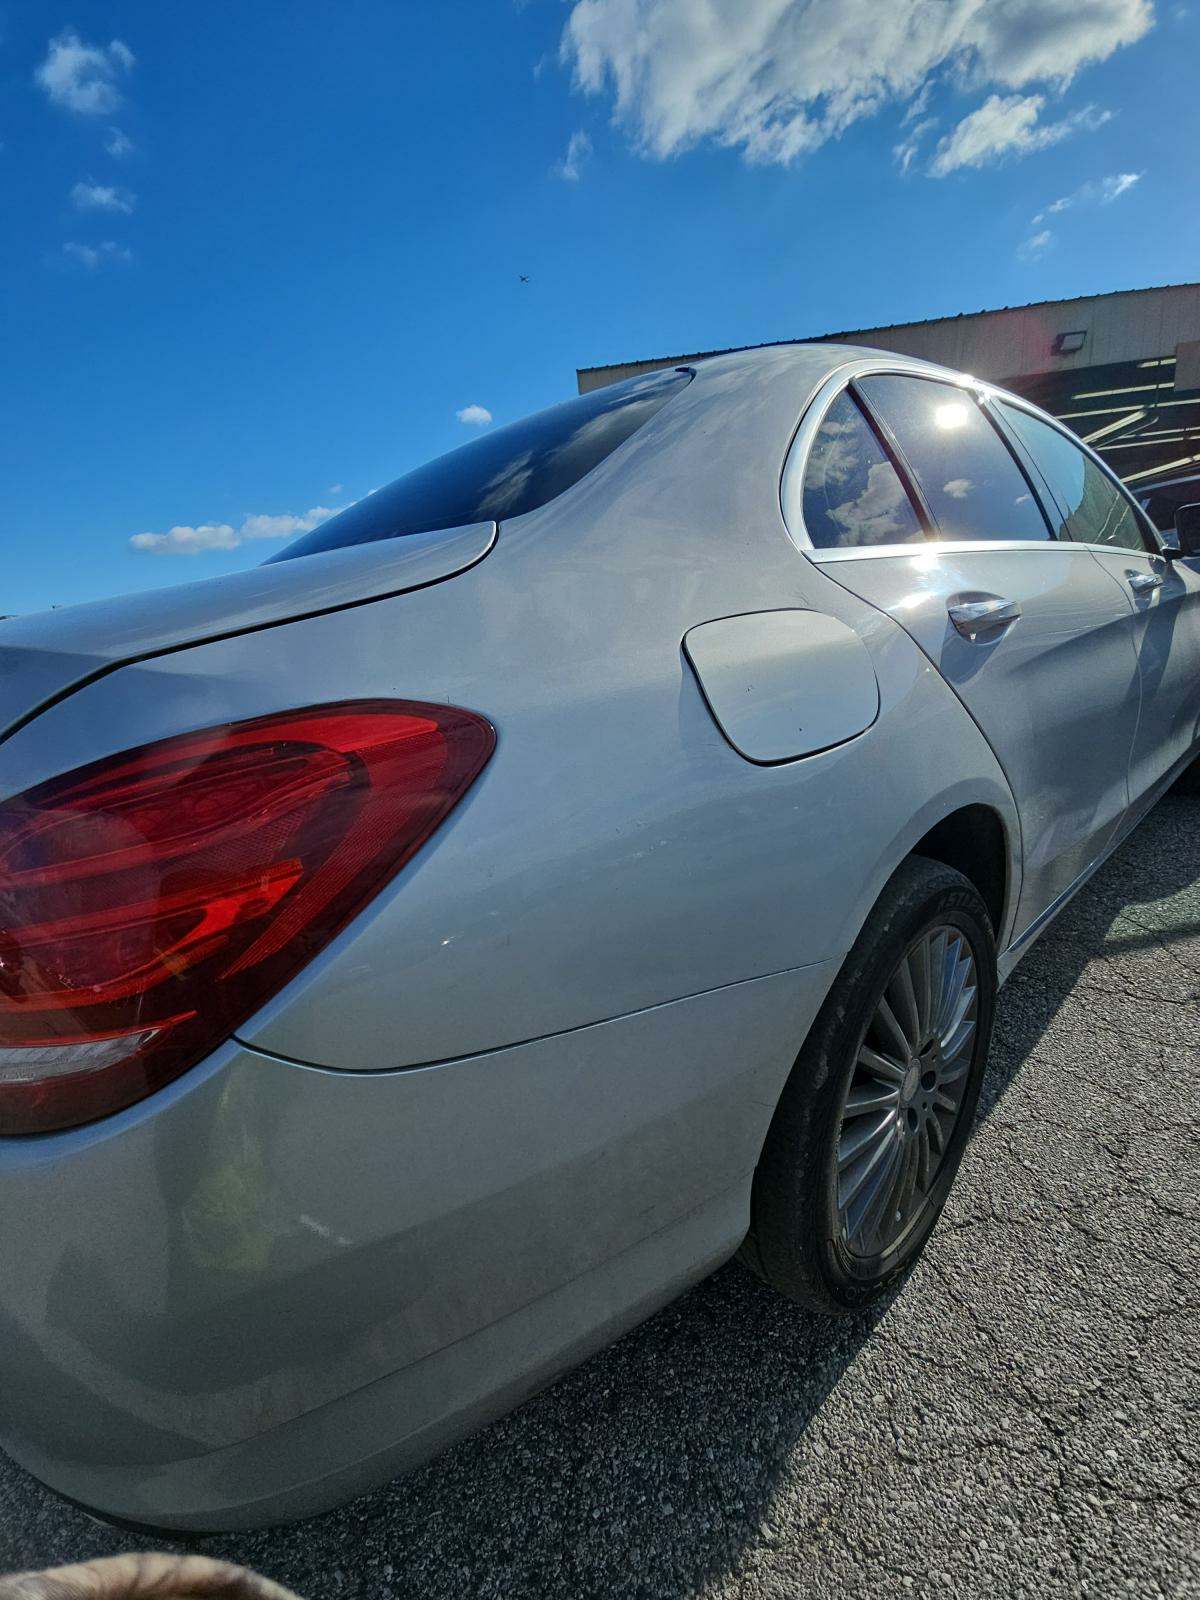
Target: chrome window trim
791	483
860	552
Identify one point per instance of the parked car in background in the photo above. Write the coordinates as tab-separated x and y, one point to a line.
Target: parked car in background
589	857
1162	500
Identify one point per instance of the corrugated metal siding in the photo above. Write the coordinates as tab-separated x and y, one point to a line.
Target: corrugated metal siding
995	345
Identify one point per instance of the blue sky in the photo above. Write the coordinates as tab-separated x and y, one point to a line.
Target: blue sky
258	258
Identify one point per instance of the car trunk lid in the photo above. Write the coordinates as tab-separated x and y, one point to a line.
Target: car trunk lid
47	655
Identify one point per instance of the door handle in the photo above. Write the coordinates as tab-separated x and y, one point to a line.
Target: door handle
1145	582
977	618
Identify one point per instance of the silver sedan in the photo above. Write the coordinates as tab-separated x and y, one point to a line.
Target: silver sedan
593	855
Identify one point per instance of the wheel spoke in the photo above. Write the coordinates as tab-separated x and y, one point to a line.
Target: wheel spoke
866	1199
871	1097
882	1217
956	972
886	1018
960	1017
906	1181
906	1011
919	962
938	957
961	1036
924	1158
882	1066
862	1138
876	1151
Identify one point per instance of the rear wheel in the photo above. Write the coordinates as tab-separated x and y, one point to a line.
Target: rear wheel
872	1124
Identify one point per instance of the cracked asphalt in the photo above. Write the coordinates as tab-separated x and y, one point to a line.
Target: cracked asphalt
1020	1419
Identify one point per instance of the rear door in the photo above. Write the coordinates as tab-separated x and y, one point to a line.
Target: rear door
912	499
1094	509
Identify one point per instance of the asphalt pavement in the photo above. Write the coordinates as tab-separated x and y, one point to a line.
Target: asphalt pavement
1023	1418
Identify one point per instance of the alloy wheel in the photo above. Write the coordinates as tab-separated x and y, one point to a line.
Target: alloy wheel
906	1091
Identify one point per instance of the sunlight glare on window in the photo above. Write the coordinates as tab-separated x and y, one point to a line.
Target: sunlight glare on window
950	416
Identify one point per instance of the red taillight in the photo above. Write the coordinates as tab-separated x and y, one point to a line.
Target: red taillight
150	902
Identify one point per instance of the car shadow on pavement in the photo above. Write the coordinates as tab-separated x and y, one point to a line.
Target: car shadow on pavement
653	1468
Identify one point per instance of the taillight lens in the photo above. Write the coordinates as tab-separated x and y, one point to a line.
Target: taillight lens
151	902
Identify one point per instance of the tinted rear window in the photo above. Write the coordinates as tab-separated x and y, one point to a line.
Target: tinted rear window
504	473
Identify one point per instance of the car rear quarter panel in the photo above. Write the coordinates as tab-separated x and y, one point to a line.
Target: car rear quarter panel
617	852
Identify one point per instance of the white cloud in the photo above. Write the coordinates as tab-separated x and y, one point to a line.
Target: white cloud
91	256
102	197
906	151
84	77
1100	191
916	109
474	416
1033	247
777	78
958	488
1005	126
184	540
336	488
1112	188
579	148
284	525
879	514
1050	41
118	144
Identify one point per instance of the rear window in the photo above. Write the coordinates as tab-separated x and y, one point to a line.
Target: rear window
505	473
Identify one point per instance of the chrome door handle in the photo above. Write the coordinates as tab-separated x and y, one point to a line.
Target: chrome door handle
974	618
1145	582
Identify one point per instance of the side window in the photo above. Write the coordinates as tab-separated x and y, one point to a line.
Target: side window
1095	511
852	493
971	482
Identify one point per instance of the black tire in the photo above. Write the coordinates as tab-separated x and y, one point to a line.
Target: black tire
796	1241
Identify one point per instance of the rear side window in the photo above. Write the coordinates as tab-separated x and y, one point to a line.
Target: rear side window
503	474
852	492
971	482
1094	511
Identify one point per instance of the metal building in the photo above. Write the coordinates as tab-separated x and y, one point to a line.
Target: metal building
1122	369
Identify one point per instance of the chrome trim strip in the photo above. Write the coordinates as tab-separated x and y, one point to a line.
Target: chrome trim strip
938	547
